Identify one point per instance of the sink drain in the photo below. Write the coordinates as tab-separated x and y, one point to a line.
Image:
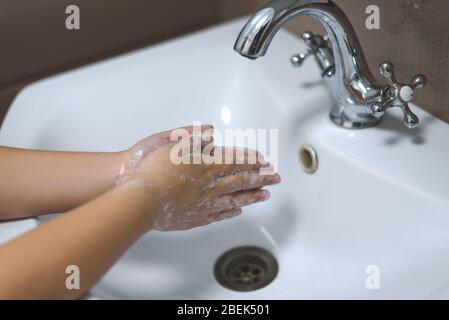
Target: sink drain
246	269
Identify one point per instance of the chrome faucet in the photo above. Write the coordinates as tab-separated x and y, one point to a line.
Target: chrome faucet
360	102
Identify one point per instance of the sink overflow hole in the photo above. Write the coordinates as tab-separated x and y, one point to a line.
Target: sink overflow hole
308	159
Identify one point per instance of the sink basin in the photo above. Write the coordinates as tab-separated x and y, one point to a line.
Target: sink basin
379	199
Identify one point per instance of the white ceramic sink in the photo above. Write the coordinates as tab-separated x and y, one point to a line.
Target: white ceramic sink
380	196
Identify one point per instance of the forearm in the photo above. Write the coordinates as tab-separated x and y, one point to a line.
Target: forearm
91	237
39	182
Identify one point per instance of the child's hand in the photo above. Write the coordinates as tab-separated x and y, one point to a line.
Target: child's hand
186	196
131	158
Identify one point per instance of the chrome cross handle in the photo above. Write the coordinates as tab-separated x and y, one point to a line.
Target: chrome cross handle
313	43
317	46
397	94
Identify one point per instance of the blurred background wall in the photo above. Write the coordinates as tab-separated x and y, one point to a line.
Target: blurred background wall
414	35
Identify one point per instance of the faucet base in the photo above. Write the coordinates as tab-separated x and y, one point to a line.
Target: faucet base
357	120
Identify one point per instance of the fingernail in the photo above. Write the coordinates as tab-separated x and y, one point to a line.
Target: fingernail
264	195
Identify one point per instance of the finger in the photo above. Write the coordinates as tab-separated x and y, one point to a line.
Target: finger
240	199
155	141
223	215
203	140
243	181
237	155
189	129
208	219
165	136
196	147
233	160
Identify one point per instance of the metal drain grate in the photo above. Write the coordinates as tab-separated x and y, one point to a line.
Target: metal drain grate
246	269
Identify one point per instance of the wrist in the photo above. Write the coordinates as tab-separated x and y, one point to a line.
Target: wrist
115	164
137	194
128	160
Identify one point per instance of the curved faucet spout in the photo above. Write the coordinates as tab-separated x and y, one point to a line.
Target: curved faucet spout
256	36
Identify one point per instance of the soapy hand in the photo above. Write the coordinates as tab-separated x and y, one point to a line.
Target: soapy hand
133	156
185	196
